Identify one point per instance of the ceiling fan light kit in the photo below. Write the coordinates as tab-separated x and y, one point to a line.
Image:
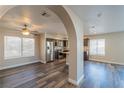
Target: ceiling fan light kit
25	31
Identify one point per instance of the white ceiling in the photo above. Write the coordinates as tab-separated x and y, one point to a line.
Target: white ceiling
100	19
97	19
16	17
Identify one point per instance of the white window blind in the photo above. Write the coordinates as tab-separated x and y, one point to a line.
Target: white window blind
97	47
15	47
12	47
28	47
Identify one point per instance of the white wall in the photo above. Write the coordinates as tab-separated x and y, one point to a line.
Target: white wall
75	32
43	47
74	27
114	48
16	61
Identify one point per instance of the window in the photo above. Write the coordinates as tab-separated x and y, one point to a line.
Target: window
97	47
28	47
16	47
12	47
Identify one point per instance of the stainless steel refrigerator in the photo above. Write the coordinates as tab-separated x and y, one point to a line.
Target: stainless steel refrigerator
49	50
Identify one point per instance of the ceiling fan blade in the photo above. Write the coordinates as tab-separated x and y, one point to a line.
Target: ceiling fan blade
34	32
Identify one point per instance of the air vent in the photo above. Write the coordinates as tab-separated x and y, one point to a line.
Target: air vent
45	14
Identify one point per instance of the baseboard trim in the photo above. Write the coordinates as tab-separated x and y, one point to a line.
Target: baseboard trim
80	81
72	81
77	83
17	65
44	62
106	61
67	63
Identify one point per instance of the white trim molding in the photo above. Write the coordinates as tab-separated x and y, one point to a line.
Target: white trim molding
67	63
17	65
73	81
44	62
81	79
77	83
108	62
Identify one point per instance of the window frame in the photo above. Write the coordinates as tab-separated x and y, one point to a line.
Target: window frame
5	48
21	48
97	48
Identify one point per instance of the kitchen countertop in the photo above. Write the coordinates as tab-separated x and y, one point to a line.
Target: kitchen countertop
64	52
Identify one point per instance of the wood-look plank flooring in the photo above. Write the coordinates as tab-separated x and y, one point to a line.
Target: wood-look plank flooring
55	75
37	75
102	75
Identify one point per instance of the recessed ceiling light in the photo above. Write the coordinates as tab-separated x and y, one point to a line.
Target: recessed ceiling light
93	30
93	27
99	15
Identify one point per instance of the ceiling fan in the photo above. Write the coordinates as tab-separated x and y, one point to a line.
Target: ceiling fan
26	31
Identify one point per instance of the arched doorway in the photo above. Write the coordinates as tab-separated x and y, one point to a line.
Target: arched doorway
74	29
